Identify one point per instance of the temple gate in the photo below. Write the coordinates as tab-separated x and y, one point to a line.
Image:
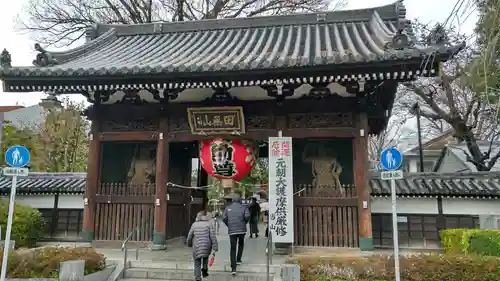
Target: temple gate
328	80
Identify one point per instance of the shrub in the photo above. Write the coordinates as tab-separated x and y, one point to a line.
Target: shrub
44	262
28	225
473	241
456	241
485	243
433	267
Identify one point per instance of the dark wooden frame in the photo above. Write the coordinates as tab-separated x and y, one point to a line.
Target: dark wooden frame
53	217
325	218
379	220
346	118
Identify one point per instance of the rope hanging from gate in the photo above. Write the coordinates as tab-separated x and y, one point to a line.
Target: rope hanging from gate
250	184
171	184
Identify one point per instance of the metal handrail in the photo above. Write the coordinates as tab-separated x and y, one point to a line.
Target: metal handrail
125	249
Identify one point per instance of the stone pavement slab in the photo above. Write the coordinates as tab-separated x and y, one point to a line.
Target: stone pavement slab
254	251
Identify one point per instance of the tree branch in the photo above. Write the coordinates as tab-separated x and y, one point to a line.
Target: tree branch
52	22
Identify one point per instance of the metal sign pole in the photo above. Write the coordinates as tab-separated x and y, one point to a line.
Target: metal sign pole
395	230
391	160
17	157
9	228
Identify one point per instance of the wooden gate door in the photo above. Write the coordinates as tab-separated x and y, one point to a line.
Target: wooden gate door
198	202
178	192
324	217
121	208
177	217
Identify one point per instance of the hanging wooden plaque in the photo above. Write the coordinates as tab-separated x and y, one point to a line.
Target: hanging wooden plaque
221	120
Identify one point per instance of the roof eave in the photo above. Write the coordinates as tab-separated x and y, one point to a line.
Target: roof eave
18	81
435	195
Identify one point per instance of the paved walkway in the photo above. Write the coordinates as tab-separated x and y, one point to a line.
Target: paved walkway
254	251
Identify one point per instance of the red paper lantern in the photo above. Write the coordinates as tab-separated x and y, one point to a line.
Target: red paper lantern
228	159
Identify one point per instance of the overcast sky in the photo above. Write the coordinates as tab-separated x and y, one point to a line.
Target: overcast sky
21	47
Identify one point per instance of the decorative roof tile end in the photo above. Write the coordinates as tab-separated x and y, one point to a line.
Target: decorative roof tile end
5	59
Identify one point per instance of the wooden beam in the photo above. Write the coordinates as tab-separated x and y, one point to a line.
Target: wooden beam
264	134
269	107
263	108
55	215
251	134
93	168
162	163
320	133
325	201
129	136
360	152
125	199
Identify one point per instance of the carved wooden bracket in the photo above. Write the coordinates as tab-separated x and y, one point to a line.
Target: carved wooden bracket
130	125
324	120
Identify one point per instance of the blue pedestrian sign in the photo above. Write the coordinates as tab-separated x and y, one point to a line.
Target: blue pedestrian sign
391	159
17	156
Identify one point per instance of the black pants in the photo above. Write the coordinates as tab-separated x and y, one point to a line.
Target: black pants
254	226
200	265
236	240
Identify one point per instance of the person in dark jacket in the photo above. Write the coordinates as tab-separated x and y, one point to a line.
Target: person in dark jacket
266	214
254	209
236	216
202	239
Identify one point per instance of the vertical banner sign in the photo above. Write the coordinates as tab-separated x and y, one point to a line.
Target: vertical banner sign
281	189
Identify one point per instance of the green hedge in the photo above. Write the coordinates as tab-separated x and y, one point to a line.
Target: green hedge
430	267
336	279
28	226
320	279
471	241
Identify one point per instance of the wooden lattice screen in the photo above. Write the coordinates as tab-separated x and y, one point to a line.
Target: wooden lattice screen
325	217
123	207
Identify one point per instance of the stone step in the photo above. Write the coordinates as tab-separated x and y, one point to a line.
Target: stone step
184	275
189	266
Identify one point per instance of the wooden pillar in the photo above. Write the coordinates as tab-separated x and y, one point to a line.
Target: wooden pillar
55	215
203	181
188	193
161	187
361	174
91	186
441	222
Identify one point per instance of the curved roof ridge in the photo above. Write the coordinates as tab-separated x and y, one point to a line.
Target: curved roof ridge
395	11
58	57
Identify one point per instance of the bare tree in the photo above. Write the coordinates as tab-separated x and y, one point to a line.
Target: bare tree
394	133
388	138
63	22
450	98
400	130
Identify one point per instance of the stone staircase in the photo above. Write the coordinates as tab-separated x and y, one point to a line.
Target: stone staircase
181	271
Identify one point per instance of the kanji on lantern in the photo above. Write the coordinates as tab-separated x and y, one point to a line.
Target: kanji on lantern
228	159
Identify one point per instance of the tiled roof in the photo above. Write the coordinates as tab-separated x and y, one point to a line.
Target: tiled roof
436	143
415	184
8	108
46	183
477	184
274	42
459	150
